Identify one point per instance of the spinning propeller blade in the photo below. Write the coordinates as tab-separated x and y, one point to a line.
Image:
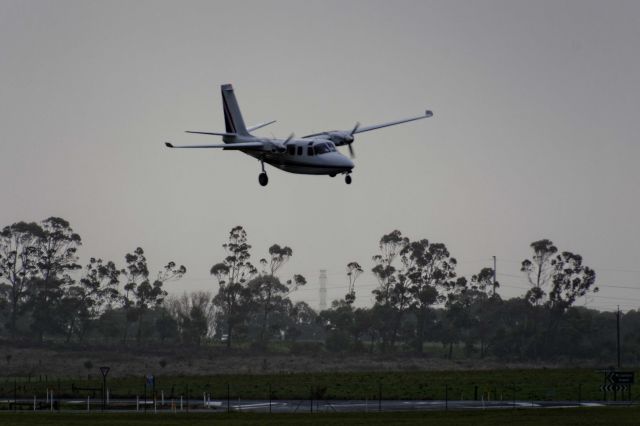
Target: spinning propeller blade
355	129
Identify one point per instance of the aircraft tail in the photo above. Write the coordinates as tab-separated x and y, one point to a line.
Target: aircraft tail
232	117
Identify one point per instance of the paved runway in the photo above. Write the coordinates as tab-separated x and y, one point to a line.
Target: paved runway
289	406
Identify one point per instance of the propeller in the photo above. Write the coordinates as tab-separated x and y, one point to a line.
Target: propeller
288	139
283	148
350	140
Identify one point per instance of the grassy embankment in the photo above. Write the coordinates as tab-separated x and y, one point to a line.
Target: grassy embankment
523	384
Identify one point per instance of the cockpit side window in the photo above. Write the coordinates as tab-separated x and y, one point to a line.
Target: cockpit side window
322	148
310	151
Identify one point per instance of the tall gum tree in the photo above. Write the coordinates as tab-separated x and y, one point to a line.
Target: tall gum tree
142	294
57	258
232	275
18	265
558	279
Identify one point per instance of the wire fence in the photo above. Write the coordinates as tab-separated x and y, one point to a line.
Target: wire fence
257	393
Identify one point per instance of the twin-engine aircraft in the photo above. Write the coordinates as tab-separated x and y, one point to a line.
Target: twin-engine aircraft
313	154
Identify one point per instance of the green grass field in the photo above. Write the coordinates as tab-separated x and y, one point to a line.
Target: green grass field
531	384
573	416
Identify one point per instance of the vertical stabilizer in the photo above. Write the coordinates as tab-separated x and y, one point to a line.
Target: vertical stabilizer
232	117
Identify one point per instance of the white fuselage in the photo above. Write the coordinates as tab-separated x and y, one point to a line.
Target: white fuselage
302	156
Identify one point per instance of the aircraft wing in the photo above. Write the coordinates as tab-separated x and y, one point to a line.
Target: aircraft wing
359	129
427	114
242	146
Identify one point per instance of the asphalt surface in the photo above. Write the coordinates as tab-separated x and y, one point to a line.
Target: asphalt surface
287	406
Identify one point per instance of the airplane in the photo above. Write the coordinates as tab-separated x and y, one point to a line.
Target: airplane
313	154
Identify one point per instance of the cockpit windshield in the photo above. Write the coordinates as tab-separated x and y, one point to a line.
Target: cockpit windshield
323	148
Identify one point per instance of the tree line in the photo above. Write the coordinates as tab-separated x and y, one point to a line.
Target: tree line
421	302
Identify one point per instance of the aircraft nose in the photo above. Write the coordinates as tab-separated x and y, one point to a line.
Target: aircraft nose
347	163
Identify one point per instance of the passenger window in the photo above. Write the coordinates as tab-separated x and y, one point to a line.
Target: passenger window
299	150
291	150
310	151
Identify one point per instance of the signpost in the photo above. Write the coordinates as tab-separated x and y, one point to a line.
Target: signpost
104	371
150	382
615	381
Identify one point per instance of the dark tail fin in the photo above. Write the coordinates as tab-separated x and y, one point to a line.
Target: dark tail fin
232	117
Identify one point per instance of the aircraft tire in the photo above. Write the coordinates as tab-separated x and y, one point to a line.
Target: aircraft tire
263	179
347	179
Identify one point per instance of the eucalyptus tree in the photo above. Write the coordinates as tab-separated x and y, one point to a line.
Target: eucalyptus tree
392	295
428	269
57	259
194	314
232	275
18	265
140	293
354	270
469	309
539	269
96	291
266	286
558	279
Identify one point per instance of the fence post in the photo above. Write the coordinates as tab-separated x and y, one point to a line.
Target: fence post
579	393
311	400
34	403
446	397
88	404
514	395
269	398
379	396
228	398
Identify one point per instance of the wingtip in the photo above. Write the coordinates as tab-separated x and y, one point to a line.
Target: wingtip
168	144
428	113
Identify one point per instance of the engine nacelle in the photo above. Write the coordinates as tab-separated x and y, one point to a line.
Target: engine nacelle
339	137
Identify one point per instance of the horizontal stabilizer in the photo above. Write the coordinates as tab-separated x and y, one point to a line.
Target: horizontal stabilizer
213	133
227	146
260	126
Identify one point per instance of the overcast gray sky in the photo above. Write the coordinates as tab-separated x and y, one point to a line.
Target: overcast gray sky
535	133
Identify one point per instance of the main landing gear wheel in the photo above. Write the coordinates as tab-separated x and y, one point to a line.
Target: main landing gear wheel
347	179
263	179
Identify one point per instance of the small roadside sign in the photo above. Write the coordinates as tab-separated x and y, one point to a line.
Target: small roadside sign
621	377
614	388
